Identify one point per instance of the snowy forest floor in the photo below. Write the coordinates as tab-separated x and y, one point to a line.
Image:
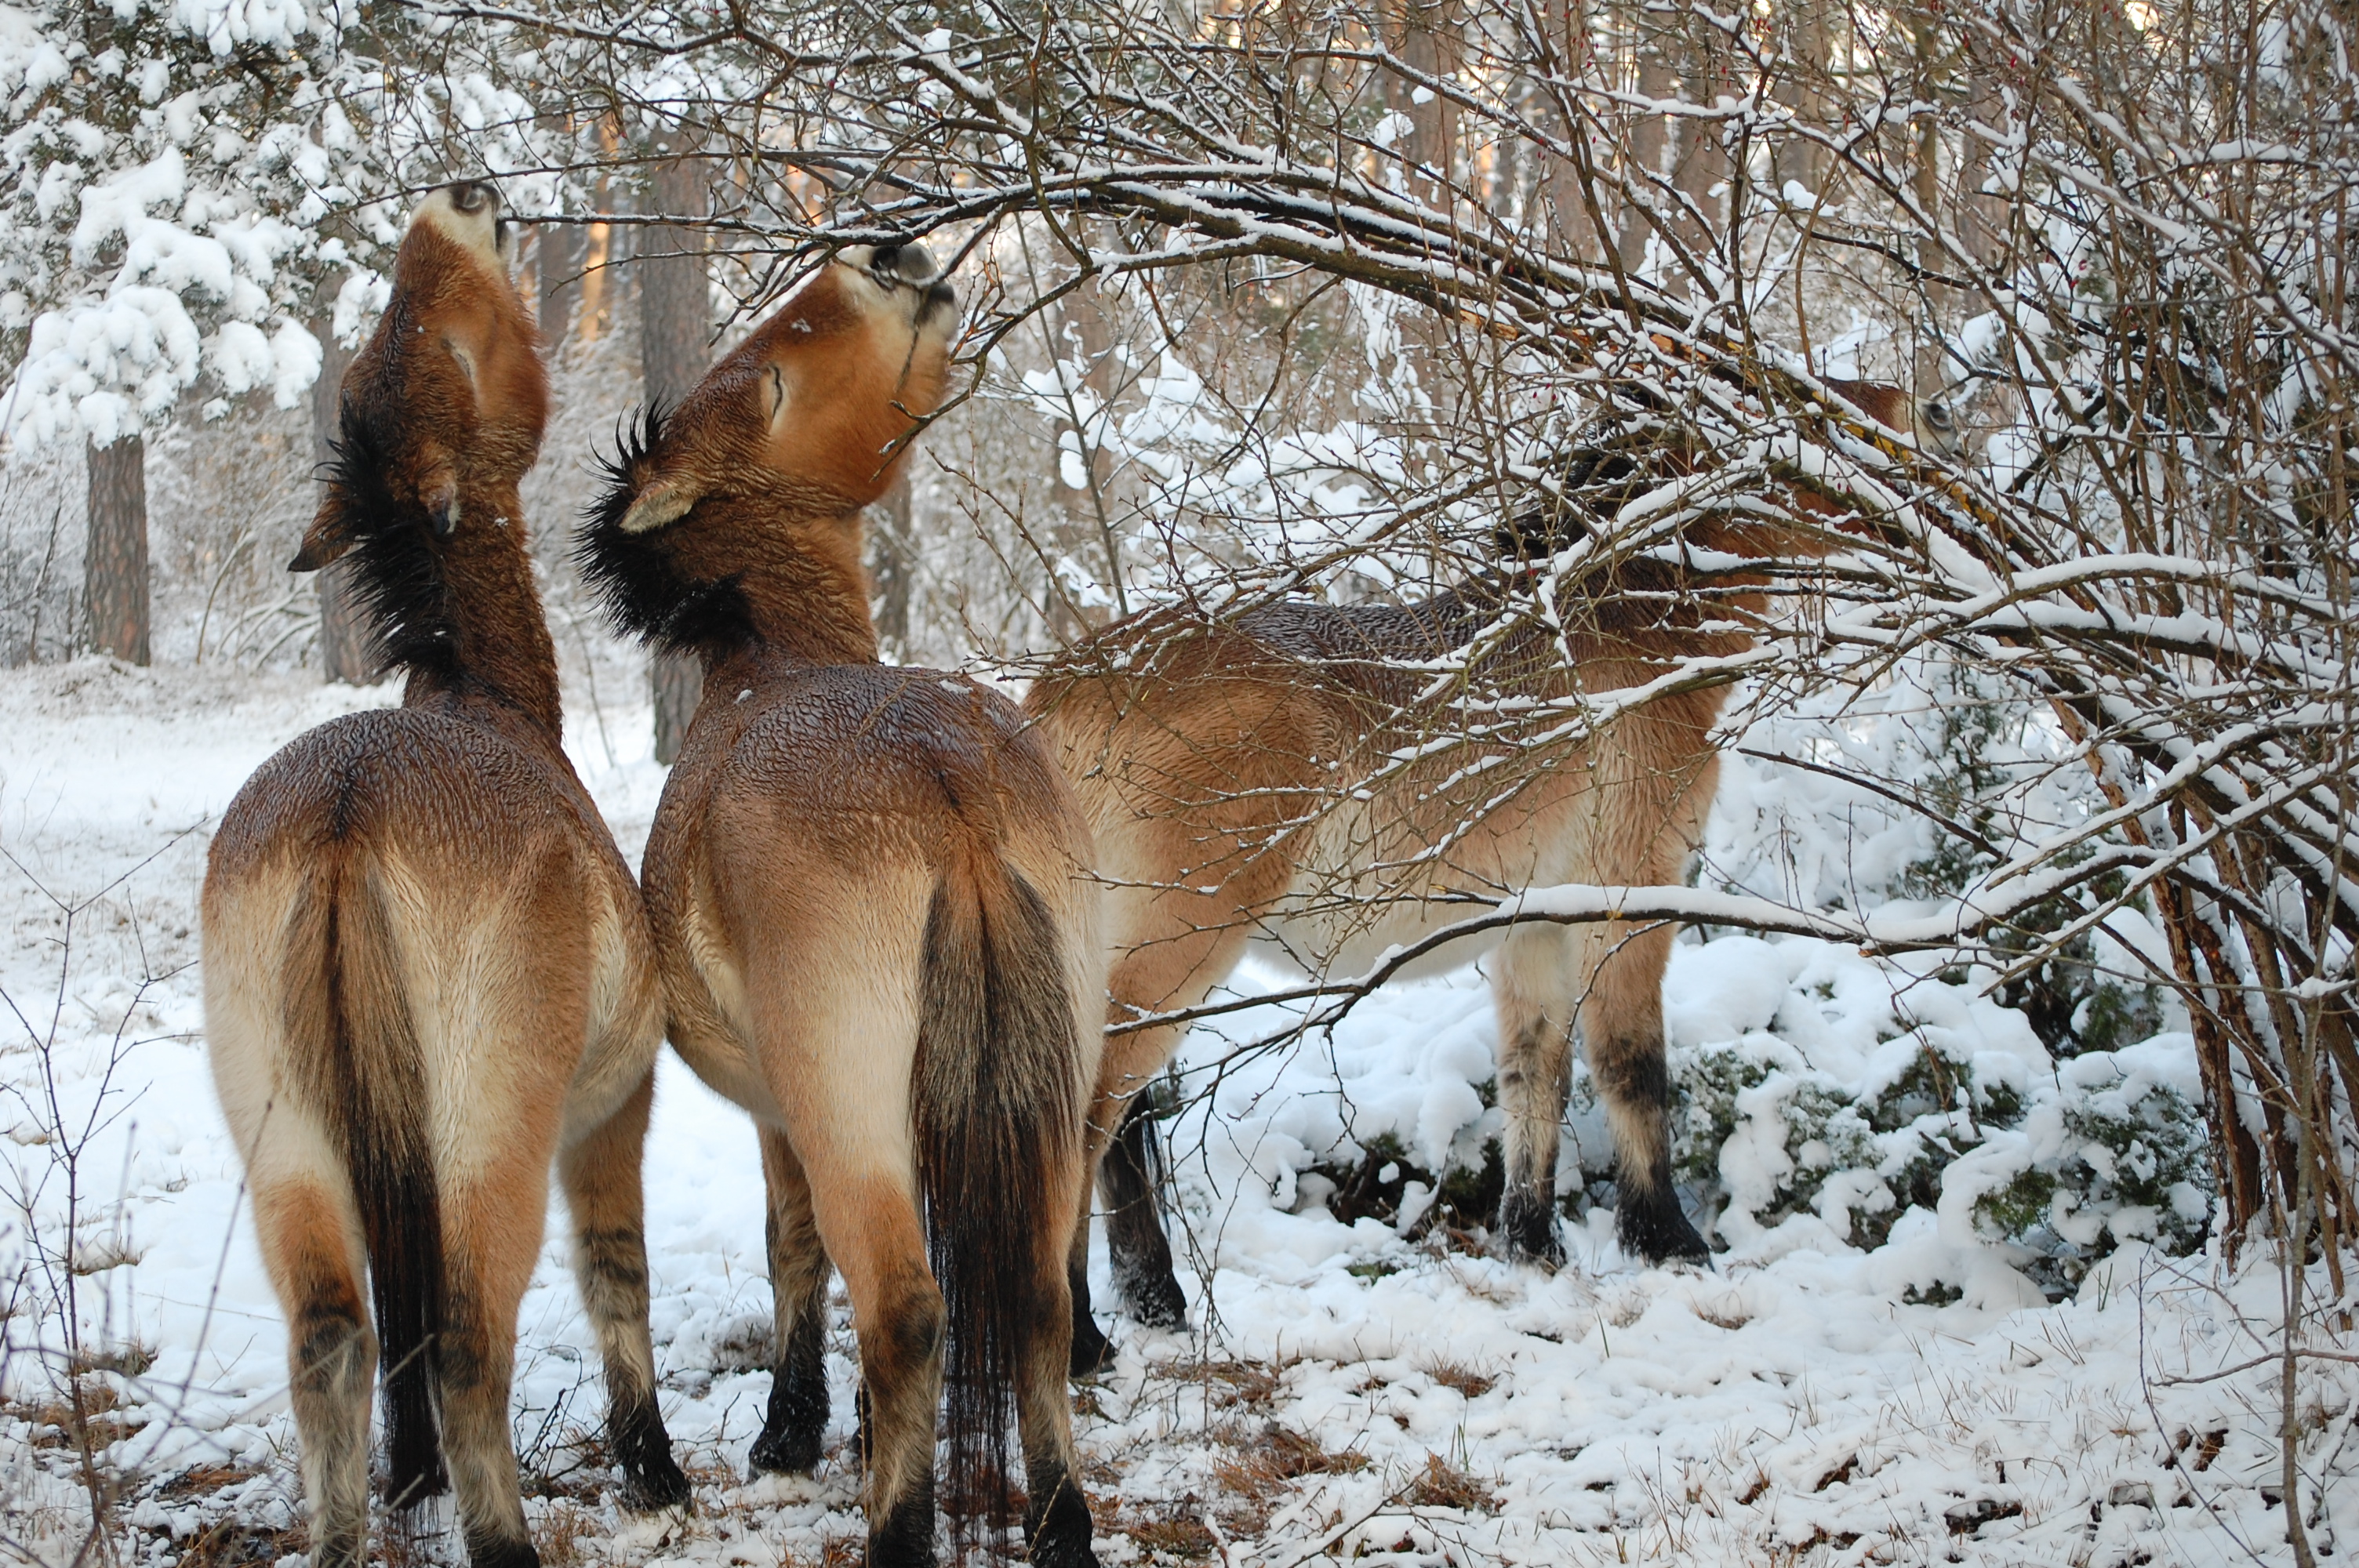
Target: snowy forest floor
1344	1393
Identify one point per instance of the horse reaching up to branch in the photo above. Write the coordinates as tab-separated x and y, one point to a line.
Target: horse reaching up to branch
873	907
428	971
1316	777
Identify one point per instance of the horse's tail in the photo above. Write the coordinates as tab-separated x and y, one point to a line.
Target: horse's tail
368	1083
998	1106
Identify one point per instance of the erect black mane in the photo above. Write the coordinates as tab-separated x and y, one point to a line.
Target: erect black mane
396	573
636	575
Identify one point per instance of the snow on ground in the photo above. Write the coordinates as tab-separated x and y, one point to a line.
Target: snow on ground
1345	1392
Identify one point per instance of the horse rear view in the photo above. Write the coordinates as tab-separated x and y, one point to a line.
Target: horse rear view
871	901
427	969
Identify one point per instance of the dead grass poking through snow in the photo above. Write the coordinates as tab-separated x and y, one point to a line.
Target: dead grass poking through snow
559	1533
1249	1383
1445	1486
1457	1375
1729	1313
1179	1532
57	1423
1266	1463
1262	1466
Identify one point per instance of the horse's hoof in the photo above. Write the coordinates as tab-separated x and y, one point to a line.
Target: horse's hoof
780	1450
652	1480
1527	1230
1660	1234
655	1488
1154	1301
1060	1539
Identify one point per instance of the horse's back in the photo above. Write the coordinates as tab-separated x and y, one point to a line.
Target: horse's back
414	784
454	849
868	765
814	822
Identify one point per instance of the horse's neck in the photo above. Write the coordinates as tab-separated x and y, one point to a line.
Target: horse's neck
504	661
807	594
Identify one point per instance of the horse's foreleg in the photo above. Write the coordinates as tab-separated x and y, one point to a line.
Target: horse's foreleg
1088	1351
1622	1029
1174	946
1127	1175
796	1422
1113	1150
606	1200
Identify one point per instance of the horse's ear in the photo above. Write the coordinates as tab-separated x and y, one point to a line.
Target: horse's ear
328	537
666	501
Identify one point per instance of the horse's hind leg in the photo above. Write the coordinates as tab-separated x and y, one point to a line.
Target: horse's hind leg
872	1229
796	1423
311	1242
1531	994
492	1219
1134	1234
607	1201
1057	1528
1622	1029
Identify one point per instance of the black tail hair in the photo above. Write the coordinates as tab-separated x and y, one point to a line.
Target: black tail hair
370	1081
637	575
397	571
997	1106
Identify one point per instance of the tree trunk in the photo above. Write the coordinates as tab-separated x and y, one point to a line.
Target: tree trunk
557	258
892	566
675	332
1648	140
1802	86
1702	167
115	561
1079	533
343	640
1572	228
1427	38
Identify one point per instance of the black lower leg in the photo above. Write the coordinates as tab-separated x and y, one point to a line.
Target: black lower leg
796	1422
1134	1236
487	1550
1648	1218
1650	1222
1527	1220
1057	1528
1092	1352
651	1478
903	1536
610	1260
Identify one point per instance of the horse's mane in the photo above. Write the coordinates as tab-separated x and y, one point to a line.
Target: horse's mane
397	575
637	576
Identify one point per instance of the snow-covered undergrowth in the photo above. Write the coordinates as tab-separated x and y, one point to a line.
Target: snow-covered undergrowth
1872	1370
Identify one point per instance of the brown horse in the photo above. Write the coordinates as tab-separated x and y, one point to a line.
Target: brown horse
872	910
427	969
1243	779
